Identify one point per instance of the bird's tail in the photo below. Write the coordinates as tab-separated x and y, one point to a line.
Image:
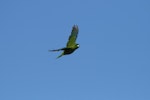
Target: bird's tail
60	55
53	50
56	50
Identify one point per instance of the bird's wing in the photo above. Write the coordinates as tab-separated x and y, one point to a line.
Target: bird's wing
73	37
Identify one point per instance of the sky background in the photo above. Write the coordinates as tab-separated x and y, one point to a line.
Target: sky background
112	63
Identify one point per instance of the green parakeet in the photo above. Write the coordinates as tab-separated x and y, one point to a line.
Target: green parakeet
71	44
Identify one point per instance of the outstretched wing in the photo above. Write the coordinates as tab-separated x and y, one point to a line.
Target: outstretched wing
72	38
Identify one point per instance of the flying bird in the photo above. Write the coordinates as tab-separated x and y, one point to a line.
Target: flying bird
71	45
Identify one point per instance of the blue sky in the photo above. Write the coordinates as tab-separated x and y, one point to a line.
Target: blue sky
112	63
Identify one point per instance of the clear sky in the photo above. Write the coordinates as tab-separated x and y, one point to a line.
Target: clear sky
112	63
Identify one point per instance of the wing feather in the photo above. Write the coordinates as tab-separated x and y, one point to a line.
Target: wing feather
72	38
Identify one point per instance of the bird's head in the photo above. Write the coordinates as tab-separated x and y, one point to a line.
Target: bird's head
77	45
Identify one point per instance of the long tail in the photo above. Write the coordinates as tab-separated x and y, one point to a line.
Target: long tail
60	55
56	50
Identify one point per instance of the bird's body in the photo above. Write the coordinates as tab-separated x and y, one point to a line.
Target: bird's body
71	44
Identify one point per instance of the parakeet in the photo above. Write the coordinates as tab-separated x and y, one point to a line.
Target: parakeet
71	45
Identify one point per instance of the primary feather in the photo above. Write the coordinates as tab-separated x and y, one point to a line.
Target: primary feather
72	38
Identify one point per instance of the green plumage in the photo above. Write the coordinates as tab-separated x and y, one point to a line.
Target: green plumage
71	44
